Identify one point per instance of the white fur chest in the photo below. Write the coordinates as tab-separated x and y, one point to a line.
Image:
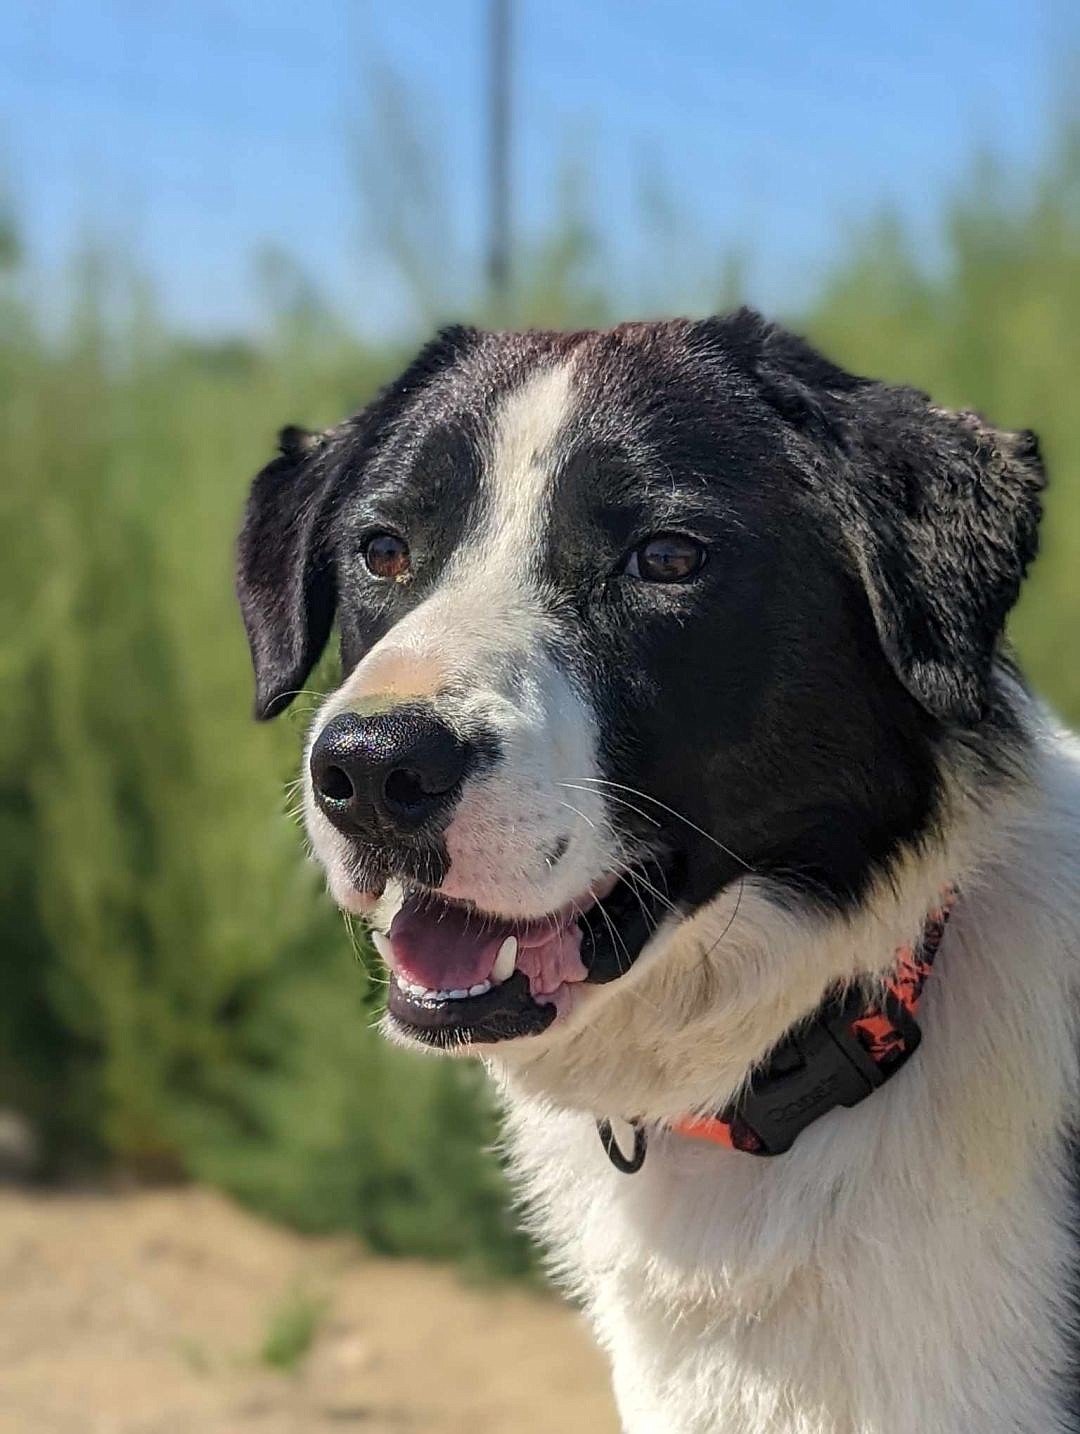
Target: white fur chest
739	1297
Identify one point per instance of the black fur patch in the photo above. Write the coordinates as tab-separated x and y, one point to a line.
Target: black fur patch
941	512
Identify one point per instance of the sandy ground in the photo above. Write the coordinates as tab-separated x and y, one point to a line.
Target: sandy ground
147	1313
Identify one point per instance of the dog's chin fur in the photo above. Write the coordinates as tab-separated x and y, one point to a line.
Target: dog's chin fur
901	1268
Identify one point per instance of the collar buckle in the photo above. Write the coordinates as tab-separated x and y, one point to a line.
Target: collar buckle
819	1066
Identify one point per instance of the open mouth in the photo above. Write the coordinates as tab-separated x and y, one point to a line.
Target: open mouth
459	976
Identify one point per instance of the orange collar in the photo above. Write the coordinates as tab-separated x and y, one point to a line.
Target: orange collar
837	1057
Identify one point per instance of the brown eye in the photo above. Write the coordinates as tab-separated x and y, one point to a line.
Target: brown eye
387	555
666	558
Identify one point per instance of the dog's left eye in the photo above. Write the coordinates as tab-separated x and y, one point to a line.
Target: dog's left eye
666	558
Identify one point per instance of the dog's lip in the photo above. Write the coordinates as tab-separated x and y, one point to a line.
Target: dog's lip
525	1004
596	891
504	1012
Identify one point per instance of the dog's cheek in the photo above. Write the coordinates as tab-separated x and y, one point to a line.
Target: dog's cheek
347	896
497	844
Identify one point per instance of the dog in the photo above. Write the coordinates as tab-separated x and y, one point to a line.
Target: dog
683	774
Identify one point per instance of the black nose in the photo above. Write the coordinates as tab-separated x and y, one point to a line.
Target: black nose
393	771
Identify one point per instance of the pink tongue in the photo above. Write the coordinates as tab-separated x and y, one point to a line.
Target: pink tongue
447	947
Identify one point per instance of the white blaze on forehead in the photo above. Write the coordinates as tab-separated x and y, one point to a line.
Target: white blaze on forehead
488	606
519	472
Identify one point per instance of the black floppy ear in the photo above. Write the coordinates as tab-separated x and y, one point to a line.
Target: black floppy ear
939	510
284	579
949	531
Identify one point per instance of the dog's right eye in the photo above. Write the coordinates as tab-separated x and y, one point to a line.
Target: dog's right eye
386	555
666	558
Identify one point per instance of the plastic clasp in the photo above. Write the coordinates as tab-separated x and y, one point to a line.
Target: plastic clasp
815	1069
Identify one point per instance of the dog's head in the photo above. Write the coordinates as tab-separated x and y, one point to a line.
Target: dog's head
623	617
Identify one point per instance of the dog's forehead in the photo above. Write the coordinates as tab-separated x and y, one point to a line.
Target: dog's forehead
629	370
646	392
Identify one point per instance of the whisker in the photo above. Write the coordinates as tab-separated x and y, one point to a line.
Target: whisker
574	788
730	921
660	872
656	802
571	808
623	867
628	876
636	876
616	938
305	692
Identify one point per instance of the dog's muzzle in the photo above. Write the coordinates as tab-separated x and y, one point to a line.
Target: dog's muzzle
390	780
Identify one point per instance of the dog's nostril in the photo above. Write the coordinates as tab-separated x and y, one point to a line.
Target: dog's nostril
334	785
404	789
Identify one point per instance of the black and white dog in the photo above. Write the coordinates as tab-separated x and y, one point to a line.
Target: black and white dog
675	739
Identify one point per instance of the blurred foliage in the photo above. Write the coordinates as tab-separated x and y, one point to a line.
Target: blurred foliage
291	1330
175	993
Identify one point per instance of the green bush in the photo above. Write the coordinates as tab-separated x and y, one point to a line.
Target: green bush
175	992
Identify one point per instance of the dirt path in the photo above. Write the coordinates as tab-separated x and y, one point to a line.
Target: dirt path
164	1313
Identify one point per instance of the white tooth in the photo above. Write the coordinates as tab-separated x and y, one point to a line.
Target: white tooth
440	995
382	945
505	961
480	989
458	995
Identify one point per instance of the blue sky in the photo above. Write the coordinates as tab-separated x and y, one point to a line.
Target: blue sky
193	133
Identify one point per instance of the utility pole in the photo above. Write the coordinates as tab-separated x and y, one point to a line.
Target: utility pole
498	257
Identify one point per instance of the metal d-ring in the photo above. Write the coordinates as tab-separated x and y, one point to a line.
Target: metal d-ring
626	1165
